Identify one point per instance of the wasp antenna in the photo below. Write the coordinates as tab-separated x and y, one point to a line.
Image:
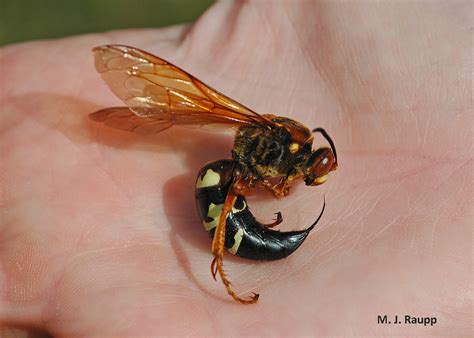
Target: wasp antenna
328	138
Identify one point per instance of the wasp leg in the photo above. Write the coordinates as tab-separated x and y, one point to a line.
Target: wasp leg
280	190
278	220
218	249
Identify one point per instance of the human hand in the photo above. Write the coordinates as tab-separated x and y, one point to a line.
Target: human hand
99	234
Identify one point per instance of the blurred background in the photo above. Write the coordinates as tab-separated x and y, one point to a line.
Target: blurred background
23	20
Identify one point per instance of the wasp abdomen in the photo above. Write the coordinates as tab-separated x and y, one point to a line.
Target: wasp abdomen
245	236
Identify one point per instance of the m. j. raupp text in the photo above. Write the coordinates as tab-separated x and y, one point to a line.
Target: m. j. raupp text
407	319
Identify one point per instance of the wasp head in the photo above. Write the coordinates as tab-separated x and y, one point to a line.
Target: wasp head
320	162
318	166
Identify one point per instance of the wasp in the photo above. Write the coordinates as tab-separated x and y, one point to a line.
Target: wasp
269	151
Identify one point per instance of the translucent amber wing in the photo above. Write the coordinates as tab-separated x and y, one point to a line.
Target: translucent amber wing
123	118
154	89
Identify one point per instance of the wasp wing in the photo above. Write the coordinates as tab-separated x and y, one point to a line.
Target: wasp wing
123	118
159	95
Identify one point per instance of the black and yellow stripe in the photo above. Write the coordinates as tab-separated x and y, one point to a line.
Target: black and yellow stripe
245	236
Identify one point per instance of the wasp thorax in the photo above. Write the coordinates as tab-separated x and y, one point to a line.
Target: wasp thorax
263	152
318	166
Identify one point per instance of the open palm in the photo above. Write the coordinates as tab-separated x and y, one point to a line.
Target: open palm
99	233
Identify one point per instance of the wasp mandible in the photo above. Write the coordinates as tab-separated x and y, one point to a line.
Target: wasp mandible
159	95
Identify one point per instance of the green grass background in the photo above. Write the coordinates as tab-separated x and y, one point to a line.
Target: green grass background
23	20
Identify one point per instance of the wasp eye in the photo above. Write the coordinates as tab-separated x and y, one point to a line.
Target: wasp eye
294	147
319	164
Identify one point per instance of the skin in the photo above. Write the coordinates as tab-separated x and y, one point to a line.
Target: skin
98	230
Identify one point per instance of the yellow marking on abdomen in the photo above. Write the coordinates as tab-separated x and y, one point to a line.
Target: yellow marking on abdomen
210	179
237	240
213	212
235	210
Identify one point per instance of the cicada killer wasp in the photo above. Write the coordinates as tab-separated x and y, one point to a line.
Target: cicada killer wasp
269	151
